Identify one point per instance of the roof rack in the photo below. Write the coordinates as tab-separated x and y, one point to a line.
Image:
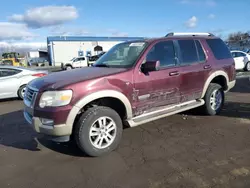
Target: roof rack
186	34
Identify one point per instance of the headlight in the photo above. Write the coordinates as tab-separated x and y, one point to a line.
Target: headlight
55	98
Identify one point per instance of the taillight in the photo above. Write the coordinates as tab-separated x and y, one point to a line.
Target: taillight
39	74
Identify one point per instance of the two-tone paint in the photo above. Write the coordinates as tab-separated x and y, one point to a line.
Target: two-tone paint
137	91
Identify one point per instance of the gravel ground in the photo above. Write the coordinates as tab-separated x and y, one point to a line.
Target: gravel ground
184	150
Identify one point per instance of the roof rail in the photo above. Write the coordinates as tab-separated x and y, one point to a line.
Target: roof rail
186	34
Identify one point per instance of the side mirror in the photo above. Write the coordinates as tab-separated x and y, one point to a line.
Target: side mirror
150	66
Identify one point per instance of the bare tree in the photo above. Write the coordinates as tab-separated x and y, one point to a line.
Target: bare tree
239	37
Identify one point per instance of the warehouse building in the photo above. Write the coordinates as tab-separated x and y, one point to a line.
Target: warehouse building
63	48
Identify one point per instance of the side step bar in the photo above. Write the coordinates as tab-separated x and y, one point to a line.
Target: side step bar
164	112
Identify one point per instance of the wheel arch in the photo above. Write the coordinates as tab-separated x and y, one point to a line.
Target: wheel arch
95	96
18	89
68	65
21	85
212	79
245	65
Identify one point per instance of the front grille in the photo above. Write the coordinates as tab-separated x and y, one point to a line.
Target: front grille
28	117
30	96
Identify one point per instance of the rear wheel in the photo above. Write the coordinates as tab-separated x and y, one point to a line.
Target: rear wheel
21	91
98	131
214	99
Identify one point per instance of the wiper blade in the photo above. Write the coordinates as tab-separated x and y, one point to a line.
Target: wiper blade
101	65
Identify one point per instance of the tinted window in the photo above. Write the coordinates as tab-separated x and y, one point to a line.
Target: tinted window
219	49
201	54
8	72
163	52
233	54
82	59
239	54
188	51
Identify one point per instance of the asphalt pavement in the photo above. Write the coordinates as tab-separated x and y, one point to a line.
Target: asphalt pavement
184	150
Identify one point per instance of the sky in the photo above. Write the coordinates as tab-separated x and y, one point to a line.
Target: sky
29	22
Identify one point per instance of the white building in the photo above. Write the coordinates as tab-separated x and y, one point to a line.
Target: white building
64	48
37	54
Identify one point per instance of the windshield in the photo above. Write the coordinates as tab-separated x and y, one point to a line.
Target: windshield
122	55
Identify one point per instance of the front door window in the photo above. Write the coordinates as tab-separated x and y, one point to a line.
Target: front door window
158	88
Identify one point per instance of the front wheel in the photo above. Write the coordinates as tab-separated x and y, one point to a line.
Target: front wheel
247	67
98	131
214	99
69	67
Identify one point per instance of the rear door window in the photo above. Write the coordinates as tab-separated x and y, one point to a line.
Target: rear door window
188	52
240	54
219	49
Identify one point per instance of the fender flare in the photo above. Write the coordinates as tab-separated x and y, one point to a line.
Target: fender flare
68	64
97	95
211	77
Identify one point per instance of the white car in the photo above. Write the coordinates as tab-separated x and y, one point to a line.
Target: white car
13	80
241	59
76	62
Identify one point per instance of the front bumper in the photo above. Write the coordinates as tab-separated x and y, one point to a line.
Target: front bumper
51	122
231	85
52	130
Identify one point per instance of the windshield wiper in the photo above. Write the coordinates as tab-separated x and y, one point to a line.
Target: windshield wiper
101	65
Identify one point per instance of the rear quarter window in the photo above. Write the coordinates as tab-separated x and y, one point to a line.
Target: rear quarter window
202	56
219	49
8	72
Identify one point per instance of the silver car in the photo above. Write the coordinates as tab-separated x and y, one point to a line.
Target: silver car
13	80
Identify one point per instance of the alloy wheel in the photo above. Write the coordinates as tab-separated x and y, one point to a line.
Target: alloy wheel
248	66
216	99
102	132
23	92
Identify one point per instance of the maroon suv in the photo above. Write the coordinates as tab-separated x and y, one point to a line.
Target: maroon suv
135	82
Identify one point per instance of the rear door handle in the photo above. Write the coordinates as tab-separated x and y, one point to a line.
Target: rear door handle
207	66
175	73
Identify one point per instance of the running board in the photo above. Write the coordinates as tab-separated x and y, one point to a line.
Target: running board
164	112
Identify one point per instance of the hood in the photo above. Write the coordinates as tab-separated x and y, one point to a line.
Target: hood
62	79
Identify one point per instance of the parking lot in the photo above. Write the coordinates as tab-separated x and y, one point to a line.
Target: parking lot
184	150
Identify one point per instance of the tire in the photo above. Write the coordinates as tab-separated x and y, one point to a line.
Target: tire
208	107
88	122
247	66
21	91
68	67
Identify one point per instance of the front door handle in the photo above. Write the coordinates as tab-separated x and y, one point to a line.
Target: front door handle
207	66
175	73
